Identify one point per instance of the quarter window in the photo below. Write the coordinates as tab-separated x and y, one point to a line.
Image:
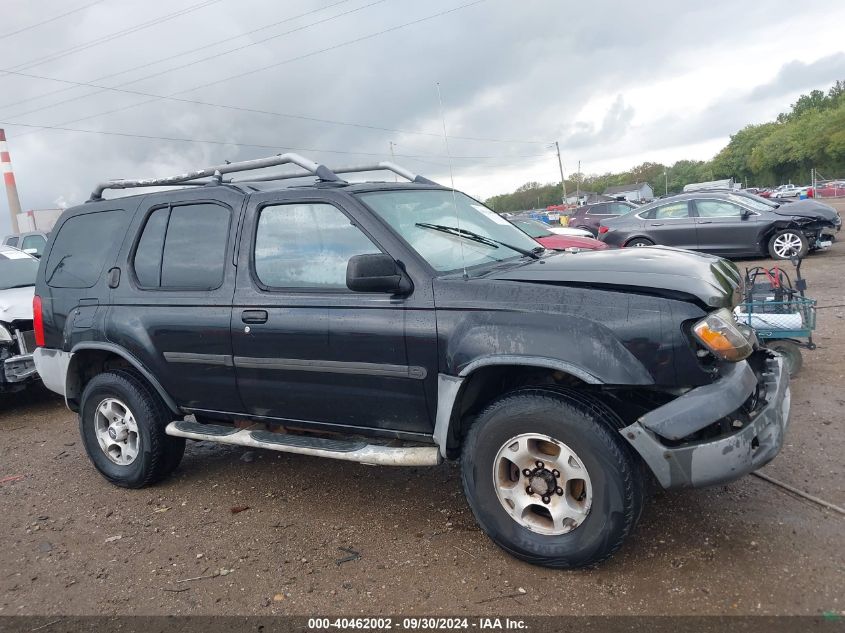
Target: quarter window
82	245
183	247
306	246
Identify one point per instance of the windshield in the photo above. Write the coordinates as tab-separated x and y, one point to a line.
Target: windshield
406	210
755	202
533	228
17	270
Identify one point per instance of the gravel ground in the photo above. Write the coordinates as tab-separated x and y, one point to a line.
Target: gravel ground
328	537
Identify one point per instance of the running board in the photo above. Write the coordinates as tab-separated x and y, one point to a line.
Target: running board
346	449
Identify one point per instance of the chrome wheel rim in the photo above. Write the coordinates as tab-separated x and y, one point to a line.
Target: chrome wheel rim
542	484
117	431
786	245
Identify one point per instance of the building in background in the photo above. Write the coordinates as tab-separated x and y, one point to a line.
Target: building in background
632	193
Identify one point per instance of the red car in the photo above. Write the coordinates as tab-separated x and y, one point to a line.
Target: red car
556	242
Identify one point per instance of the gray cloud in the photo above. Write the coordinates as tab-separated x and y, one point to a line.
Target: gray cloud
506	71
798	75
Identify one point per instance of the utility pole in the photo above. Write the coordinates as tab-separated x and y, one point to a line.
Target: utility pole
578	182
11	186
666	178
393	158
562	179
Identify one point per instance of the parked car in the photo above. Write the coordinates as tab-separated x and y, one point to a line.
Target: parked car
554	241
17	339
402	324
589	216
728	224
788	191
828	190
31	242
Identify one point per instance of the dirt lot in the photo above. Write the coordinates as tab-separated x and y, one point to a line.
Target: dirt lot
73	544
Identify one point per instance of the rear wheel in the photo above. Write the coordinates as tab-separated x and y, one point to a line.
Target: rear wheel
122	422
788	243
550	479
639	241
592	232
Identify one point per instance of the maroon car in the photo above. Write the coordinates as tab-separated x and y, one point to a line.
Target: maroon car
589	216
556	242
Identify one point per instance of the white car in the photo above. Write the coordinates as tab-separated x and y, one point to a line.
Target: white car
17	338
565	230
788	191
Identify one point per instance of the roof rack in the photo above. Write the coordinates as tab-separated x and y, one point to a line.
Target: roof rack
381	166
193	178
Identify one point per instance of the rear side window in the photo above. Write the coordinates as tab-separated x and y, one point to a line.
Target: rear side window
79	252
673	211
183	247
598	209
11	241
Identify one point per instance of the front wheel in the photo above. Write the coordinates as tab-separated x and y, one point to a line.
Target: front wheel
787	244
550	479
639	241
791	353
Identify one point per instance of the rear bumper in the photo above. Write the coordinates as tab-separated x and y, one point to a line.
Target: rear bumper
727	457
19	369
52	366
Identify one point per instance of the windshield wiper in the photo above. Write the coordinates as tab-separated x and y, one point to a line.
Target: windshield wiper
481	239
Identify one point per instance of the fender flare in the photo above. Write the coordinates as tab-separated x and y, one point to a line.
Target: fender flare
449	387
119	351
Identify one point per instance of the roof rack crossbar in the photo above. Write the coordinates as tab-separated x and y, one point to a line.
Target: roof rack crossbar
316	169
381	166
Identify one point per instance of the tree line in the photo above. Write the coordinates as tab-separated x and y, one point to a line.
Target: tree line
811	135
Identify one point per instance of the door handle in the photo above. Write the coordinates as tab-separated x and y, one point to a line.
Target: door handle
705	222
657	224
254	316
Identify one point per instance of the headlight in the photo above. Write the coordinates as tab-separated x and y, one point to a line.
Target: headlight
5	335
719	333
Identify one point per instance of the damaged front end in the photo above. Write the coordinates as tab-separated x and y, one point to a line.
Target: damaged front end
17	368
718	432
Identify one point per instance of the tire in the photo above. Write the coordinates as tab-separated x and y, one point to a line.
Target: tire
129	399
788	243
791	353
639	241
612	489
593	232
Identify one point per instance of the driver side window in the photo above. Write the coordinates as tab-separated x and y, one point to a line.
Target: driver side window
717	209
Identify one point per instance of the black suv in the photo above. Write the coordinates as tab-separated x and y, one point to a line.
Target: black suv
401	324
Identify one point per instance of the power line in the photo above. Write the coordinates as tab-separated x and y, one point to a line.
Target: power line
48	20
169	57
172	96
118	87
261	111
254	145
113	36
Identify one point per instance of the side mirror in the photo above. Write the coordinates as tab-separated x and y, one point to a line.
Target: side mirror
376	273
745	214
31	251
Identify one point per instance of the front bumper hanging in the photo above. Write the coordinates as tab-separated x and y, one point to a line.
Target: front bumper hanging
728	457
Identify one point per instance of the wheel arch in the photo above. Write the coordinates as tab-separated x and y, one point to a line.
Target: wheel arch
90	358
461	397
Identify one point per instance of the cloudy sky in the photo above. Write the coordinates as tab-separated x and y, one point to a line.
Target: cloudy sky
616	83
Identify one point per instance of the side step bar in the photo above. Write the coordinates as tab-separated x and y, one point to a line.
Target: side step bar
349	450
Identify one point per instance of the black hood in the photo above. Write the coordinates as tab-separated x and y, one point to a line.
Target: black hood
658	270
807	209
